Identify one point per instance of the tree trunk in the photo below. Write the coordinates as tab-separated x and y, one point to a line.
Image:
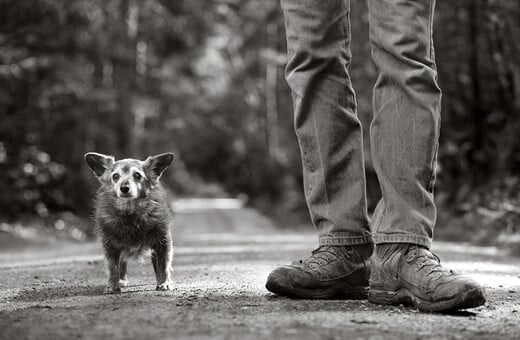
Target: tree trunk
271	92
126	77
476	105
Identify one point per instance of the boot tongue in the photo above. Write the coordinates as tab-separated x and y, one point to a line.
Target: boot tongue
386	249
420	254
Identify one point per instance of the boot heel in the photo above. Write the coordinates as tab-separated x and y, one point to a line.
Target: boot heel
381	297
360	293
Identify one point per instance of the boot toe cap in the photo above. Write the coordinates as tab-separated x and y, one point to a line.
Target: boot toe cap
279	281
467	291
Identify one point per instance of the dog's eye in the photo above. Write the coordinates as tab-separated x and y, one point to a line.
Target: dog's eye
116	177
137	176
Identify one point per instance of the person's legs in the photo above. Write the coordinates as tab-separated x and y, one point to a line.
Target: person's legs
404	139
405	128
329	132
330	138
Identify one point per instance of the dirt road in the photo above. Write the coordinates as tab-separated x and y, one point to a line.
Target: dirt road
222	258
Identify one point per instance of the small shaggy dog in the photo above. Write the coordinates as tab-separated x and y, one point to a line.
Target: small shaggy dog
132	215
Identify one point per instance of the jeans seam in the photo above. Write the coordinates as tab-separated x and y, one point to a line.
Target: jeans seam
431	181
430	27
349	28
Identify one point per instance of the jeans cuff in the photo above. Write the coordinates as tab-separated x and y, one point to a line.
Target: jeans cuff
345	240
400	238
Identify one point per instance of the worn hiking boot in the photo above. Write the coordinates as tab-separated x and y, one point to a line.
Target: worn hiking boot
410	274
330	272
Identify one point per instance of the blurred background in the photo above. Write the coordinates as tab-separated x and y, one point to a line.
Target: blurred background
205	80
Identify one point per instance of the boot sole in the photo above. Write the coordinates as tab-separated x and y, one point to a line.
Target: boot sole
336	291
470	299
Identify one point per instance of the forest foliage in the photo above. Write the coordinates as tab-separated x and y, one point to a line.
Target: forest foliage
205	79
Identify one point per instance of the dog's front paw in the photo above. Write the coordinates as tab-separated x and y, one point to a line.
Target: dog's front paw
112	290
165	286
123	283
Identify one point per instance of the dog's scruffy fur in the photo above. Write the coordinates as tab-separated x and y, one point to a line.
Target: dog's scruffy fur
132	215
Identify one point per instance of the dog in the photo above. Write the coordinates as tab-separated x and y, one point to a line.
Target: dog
132	215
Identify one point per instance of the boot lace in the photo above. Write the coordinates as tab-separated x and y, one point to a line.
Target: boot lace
428	261
324	255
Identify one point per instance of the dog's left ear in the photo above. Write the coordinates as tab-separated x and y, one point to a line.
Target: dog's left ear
98	163
157	164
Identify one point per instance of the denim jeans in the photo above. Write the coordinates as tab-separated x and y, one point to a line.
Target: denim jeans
405	128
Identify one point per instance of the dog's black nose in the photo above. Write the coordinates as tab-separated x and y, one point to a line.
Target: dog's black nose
125	189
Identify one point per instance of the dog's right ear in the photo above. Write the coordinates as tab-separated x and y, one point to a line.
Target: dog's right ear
99	163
